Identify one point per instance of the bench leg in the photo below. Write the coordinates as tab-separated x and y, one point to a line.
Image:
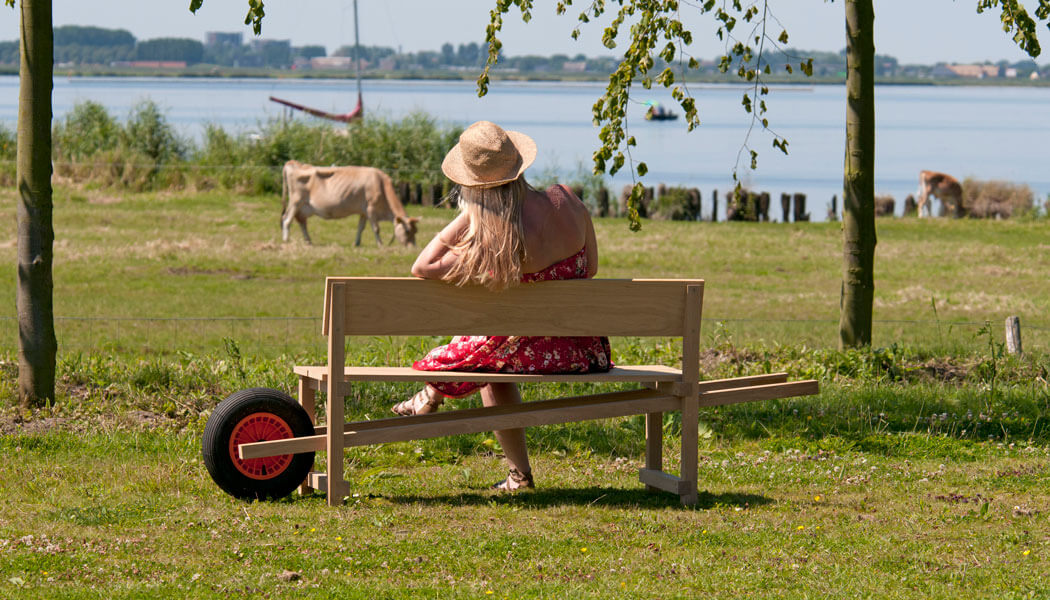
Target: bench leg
336	487
654	439
307	397
690	468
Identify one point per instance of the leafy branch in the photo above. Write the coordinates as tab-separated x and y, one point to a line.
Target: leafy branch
655	30
255	15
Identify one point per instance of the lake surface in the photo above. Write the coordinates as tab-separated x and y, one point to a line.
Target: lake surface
981	132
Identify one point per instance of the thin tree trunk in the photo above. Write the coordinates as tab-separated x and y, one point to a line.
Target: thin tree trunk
858	206
37	345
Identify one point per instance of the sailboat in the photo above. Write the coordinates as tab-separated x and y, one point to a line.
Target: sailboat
358	110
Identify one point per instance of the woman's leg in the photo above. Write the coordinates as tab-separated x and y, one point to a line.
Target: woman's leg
512	440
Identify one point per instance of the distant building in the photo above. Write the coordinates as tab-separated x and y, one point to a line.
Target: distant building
331	62
272	45
974	71
151	64
218	38
574	66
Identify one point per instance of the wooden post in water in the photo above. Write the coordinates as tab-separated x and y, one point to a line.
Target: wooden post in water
434	197
625	195
646	203
404	192
833	210
714	206
800	208
785	206
694	204
763	207
1013	335
603	202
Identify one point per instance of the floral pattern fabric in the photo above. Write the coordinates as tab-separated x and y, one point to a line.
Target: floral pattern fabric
520	354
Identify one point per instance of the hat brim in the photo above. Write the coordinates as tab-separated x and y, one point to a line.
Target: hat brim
454	168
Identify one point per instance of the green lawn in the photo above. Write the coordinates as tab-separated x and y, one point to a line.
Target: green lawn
920	471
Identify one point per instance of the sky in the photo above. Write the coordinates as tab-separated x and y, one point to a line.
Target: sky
902	27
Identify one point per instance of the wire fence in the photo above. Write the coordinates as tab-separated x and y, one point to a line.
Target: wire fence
289	335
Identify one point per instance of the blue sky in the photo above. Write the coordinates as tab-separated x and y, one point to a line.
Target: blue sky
904	28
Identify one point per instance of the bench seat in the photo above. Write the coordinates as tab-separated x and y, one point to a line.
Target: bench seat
629	374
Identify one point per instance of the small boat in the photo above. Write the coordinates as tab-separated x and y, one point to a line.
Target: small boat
657	112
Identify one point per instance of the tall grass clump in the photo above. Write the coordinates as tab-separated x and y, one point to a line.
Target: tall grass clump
146	153
996	199
89	145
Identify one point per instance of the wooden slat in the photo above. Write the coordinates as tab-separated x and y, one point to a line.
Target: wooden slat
690	459
614	307
636	373
335	486
791	389
664	481
477	420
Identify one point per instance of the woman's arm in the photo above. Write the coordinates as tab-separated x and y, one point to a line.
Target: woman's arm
437	258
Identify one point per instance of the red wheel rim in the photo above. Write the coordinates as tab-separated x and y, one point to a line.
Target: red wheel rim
260	427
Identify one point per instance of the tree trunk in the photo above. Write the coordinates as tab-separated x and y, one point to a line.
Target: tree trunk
37	345
858	206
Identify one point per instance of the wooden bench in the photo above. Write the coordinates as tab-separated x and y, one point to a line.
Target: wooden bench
406	306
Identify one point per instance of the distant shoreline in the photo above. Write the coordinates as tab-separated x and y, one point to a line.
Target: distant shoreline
208	71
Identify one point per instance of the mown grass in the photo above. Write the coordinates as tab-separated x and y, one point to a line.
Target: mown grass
204	256
920	471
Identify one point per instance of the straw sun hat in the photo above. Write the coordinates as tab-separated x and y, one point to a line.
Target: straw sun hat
487	156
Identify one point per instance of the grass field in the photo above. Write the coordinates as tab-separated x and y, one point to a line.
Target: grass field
920	471
202	265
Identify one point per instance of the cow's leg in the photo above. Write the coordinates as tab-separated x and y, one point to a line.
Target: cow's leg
360	229
375	229
286	223
302	225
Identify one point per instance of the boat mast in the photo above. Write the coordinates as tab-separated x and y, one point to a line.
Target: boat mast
357	55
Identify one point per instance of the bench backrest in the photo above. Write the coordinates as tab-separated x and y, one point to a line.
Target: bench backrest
614	307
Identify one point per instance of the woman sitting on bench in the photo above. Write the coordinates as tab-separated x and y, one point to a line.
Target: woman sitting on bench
506	233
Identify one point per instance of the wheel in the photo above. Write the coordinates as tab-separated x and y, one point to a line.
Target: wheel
256	415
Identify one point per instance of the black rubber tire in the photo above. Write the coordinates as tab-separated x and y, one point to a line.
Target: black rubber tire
220	429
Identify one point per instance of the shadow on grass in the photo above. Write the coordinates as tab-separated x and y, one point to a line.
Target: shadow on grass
590	496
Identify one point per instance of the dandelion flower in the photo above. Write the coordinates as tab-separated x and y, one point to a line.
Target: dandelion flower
584	549
817	498
800	528
338	538
1026	552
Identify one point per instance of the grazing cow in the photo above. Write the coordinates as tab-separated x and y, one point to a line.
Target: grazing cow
337	192
945	187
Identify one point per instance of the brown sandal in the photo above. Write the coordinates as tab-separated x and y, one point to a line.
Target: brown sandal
425	401
515	481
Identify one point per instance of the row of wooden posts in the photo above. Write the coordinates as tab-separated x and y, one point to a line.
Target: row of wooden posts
685	206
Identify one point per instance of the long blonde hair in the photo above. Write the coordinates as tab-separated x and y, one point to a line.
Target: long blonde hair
492	250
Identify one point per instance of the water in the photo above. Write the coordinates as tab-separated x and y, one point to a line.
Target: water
981	132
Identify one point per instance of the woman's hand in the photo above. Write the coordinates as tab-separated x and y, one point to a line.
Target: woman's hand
437	257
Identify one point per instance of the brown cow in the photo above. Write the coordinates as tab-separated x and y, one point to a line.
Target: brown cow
945	187
337	192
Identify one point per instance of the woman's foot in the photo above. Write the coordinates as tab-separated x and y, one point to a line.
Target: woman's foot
425	401
515	481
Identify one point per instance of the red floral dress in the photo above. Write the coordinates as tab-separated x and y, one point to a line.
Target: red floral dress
520	354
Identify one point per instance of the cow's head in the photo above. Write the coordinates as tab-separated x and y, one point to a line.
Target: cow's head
405	230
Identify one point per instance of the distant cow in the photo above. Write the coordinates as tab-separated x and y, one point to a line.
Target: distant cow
945	187
337	192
